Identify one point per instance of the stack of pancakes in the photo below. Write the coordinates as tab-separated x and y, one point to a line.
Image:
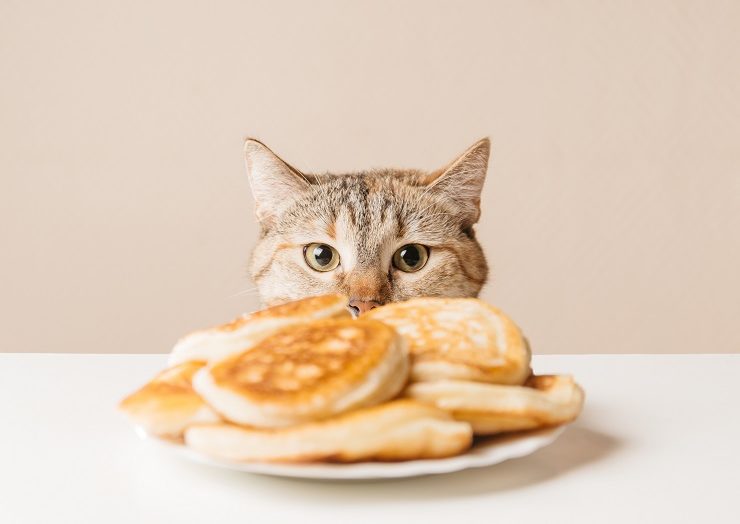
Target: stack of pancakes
304	381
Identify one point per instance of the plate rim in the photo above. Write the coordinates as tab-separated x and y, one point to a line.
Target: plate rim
496	451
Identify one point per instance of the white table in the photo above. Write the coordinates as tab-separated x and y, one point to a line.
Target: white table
657	442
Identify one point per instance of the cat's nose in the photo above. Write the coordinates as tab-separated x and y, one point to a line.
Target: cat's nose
358	307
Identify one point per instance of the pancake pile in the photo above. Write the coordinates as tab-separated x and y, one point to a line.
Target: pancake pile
463	339
305	382
544	400
168	404
397	430
221	341
306	373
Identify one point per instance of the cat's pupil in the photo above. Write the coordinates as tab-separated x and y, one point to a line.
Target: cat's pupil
323	255
411	256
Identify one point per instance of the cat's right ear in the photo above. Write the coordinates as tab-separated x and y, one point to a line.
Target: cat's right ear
462	180
273	181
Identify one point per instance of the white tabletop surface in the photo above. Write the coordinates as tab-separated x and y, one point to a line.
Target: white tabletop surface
658	441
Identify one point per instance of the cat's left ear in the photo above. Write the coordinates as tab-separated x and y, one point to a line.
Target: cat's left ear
462	180
274	182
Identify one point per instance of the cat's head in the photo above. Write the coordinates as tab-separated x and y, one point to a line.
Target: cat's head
377	236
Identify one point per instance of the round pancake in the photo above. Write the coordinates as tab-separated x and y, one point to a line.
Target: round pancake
545	400
168	404
458	338
307	372
224	340
398	430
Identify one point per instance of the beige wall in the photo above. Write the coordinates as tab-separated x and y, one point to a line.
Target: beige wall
611	214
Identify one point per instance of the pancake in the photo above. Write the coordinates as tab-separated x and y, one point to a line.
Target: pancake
168	404
224	340
398	430
459	339
545	400
307	372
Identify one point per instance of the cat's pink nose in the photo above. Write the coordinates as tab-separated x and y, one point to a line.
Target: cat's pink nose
361	306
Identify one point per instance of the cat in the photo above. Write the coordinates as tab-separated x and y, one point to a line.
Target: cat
377	236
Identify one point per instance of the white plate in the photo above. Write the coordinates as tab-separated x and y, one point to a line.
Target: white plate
486	452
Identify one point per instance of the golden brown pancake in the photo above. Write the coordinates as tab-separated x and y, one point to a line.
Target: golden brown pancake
463	339
307	372
168	404
233	337
545	400
398	430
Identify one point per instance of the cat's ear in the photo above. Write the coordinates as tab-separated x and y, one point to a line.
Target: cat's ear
274	182
462	180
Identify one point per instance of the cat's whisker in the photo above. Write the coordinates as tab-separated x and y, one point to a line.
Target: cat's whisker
322	188
317	180
446	215
245	292
418	214
426	190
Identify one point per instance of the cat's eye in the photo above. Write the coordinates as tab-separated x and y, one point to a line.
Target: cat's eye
411	257
321	257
